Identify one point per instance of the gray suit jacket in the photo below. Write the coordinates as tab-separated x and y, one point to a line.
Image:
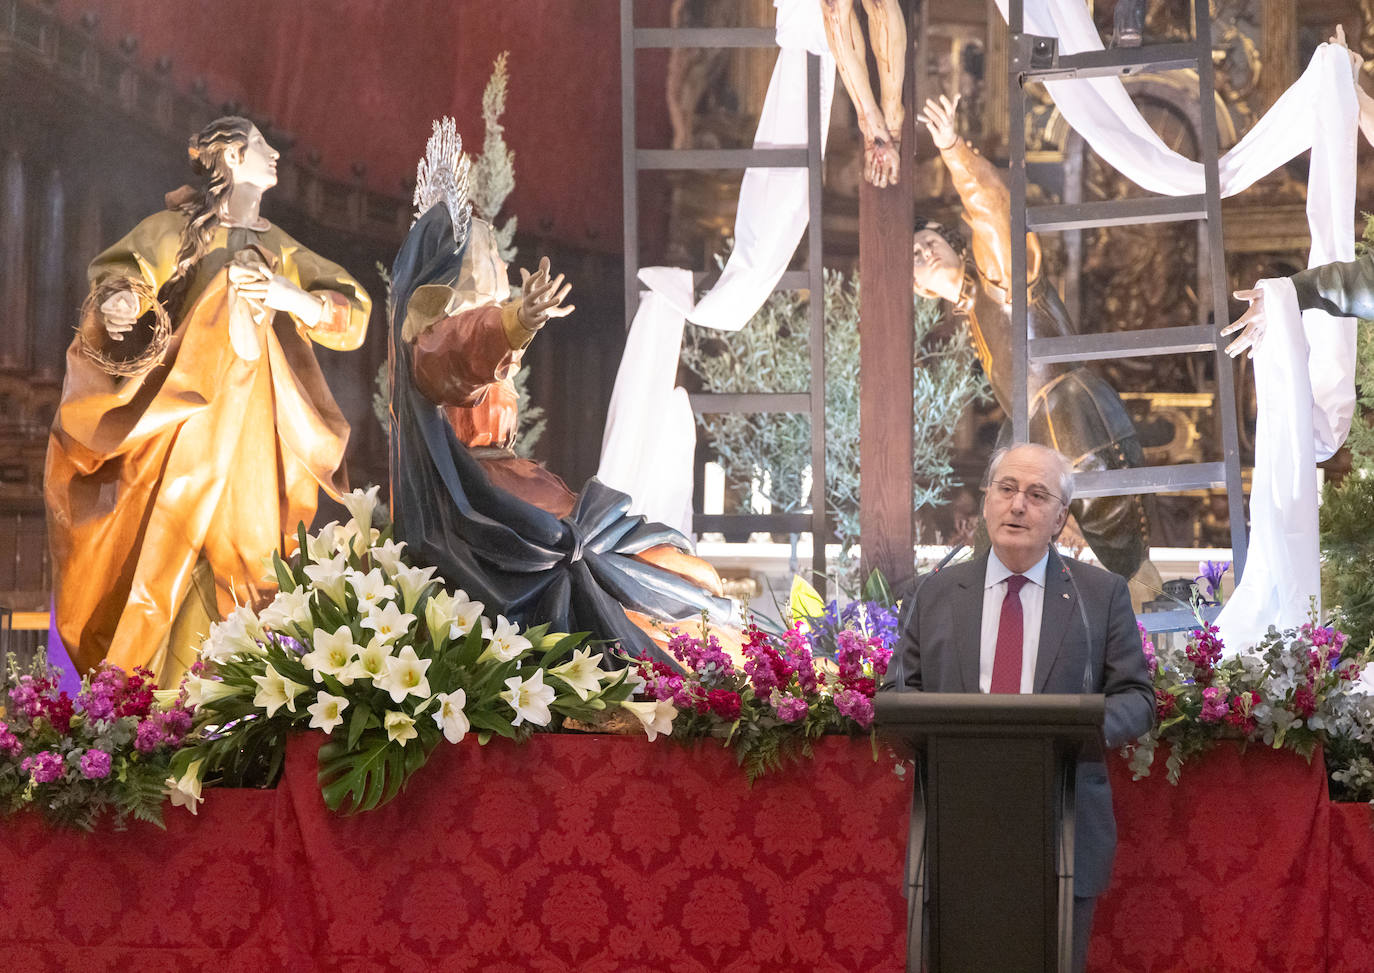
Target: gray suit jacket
939	650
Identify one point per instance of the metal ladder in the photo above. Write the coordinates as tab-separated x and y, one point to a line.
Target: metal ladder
635	160
1034	58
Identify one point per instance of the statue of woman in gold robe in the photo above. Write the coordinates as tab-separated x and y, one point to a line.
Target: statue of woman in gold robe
195	427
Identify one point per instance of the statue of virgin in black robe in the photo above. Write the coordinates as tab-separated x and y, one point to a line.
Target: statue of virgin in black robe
578	572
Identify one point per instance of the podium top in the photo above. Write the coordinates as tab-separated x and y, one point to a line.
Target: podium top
1019	714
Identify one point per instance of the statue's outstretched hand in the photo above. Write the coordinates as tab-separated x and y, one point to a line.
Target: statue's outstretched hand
939	120
119	311
542	298
1251	324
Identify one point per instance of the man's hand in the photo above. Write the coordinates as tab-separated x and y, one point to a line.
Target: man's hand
938	118
119	311
1251	324
542	298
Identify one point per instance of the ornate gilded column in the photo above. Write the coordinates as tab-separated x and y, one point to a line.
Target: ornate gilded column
52	321
14	266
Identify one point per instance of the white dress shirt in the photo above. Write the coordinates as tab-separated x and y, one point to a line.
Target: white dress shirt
1032	607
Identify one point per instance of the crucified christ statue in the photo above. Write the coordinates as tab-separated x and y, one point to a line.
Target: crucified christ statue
881	125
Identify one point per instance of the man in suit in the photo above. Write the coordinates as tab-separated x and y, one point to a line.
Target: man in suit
1046	625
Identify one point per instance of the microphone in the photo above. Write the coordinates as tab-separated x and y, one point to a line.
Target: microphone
1088	682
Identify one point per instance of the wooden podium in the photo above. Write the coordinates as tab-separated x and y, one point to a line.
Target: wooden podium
990	854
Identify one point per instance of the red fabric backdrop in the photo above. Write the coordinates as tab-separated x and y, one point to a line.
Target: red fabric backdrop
361	80
608	854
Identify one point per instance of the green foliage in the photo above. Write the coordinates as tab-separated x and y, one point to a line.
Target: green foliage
1346	540
772	354
492	177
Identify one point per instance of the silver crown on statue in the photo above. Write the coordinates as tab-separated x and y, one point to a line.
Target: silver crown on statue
443	176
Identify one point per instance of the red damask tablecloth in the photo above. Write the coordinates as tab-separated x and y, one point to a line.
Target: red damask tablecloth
612	854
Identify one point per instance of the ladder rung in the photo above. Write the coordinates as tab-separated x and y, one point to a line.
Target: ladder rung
753	523
1116	212
1123	344
717	403
1117	61
657	37
1150	479
794	158
1176	619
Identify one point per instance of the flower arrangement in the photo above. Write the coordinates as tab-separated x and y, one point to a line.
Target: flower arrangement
373	651
776	702
74	760
1299	689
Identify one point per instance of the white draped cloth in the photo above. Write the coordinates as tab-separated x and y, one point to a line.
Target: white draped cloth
647	447
1305	382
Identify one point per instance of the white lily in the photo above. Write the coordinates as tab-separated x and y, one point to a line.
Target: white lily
530	699
388	621
185	792
505	641
236	635
200	691
352	539
405	675
388	556
332	655
656	715
328	576
450	716
289	609
400	727
466	614
276	691
324	543
412	582
371	588
361	504
582	672
371	661
326	712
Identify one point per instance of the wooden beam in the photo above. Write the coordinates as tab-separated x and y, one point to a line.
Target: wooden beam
886	352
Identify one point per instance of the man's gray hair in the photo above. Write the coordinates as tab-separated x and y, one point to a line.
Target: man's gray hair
1056	458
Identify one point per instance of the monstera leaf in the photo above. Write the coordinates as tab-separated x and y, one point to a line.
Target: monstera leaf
367	775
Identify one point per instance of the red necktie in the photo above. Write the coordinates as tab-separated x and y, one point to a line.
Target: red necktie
1006	663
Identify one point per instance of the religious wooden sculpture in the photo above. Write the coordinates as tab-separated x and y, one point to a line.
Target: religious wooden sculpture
195	428
880	124
1072	408
501	527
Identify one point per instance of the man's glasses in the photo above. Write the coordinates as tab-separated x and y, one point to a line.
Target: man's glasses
1036	496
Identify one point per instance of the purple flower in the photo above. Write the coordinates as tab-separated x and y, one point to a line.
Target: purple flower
95	764
1214	705
9	743
1210	574
44	767
856	706
790	709
149	736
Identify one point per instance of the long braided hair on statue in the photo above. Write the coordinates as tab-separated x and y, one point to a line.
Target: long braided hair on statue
207	149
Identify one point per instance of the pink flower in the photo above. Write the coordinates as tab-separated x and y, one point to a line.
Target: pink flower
1214	705
9	743
95	764
790	709
44	767
856	706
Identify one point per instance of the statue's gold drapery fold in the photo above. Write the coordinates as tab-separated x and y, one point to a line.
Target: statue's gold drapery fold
209	456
